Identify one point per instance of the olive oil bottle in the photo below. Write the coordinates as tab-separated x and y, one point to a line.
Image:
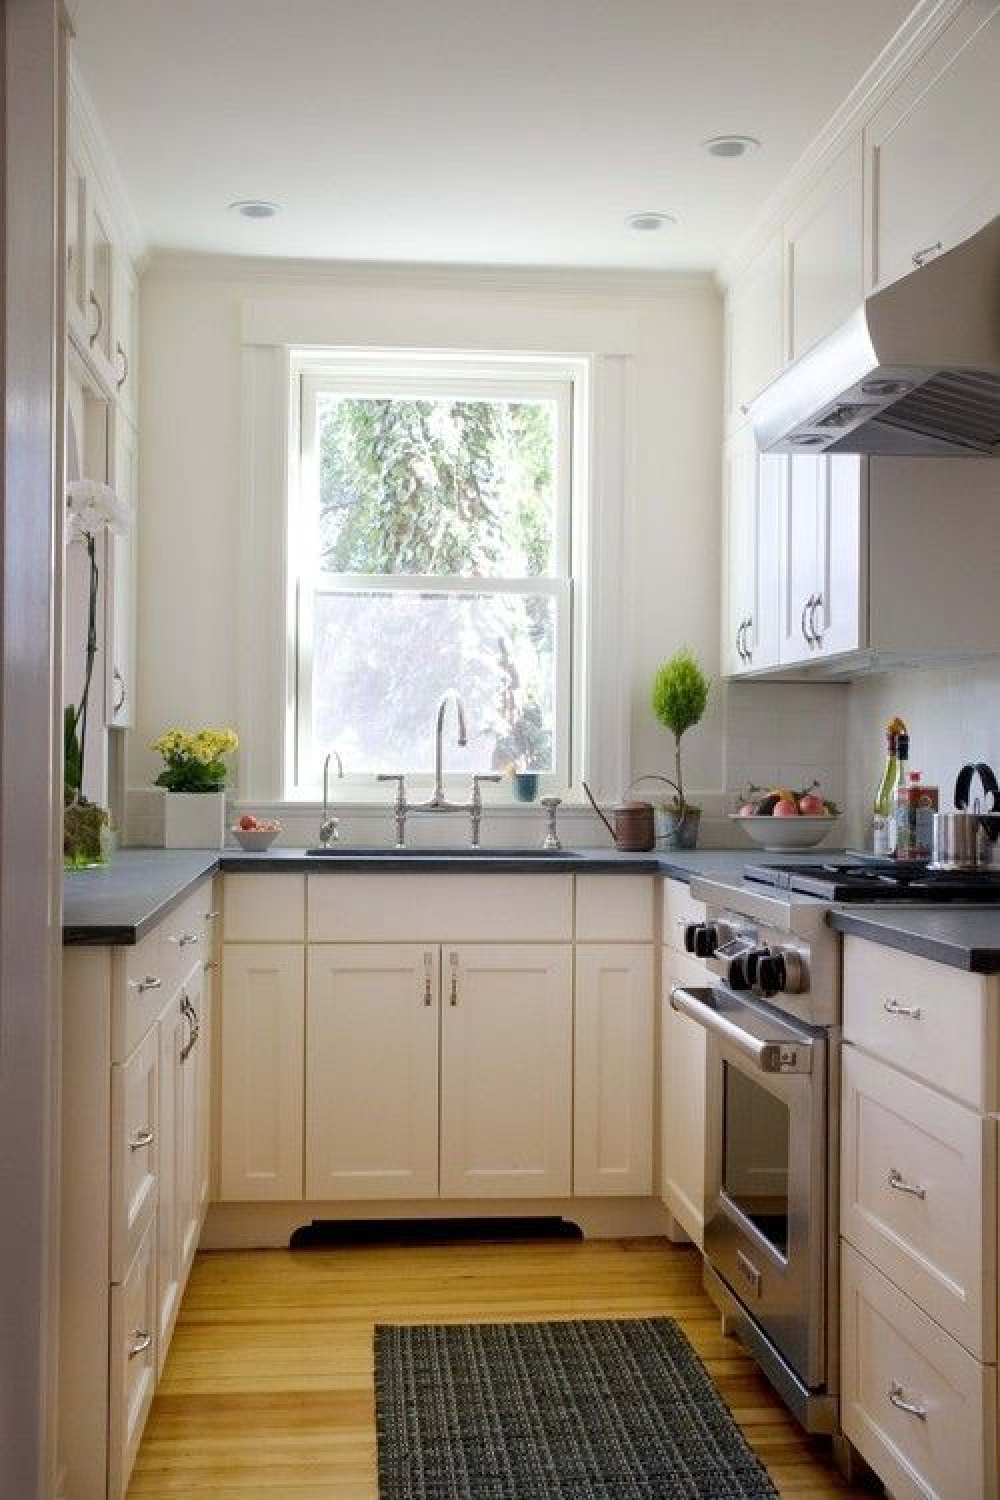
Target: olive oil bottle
884	807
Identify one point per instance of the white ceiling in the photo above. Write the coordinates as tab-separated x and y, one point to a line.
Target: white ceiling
499	132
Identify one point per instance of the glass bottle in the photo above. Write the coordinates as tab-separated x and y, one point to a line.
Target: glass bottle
900	833
883	807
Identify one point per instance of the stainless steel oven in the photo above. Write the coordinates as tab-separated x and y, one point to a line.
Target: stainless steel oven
772	1031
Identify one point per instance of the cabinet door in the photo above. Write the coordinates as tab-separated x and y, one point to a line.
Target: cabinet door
683	1081
125	332
195	1085
136	1142
372	1019
932	147
613	1070
120	572
800	556
76	263
824	558
755	486
131	1372
506	1070
754	328
262	1049
173	1033
823	253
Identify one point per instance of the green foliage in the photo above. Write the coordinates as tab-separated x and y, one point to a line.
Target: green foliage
680	692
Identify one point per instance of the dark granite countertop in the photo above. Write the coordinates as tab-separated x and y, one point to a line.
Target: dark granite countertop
118	904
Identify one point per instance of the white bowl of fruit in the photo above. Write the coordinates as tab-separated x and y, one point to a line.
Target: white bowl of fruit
781	818
254	835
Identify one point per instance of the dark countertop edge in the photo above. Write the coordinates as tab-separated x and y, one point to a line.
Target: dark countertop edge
571	862
855	922
96	932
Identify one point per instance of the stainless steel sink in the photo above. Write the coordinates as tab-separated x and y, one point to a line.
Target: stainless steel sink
455	852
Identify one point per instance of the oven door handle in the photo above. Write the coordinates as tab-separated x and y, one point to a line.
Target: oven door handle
768	1056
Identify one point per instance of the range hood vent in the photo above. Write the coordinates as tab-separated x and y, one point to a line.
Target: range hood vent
914	371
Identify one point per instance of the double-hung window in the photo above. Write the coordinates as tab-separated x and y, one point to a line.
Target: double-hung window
432	547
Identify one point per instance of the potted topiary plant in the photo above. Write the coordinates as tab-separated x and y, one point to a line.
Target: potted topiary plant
680	692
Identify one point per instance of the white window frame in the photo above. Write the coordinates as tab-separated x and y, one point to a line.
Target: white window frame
426	373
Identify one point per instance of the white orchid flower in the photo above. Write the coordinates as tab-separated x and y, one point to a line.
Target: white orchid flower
93	505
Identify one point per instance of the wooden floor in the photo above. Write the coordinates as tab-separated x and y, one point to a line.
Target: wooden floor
267	1390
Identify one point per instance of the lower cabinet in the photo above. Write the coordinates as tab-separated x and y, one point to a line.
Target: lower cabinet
613	1070
683	1071
133	1182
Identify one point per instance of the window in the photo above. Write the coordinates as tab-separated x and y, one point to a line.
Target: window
431	546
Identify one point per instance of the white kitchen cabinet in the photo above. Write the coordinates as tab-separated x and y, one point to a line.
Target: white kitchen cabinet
613	1070
755	493
824	263
506	1070
371	1070
120	567
755	334
130	1183
823	550
933	165
262	1044
125	327
683	1071
919	1247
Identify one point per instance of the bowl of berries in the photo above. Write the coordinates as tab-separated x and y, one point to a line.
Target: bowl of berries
254	835
781	818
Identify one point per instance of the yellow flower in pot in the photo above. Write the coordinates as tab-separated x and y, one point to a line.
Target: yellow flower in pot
680	692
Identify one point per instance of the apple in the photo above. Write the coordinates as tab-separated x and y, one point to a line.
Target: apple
812	807
748	810
248	822
786	807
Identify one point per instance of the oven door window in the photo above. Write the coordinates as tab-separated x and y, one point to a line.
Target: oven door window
755	1156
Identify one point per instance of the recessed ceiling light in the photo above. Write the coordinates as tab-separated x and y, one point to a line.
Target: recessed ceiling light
730	145
255	208
650	220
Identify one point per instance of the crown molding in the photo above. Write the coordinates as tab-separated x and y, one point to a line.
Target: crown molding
922	27
510	280
85	126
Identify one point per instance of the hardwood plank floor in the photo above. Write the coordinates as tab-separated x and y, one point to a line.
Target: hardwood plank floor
267	1390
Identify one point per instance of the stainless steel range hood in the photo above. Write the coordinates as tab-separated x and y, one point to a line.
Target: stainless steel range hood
915	370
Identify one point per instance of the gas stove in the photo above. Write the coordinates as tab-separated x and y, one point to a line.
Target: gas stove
873	880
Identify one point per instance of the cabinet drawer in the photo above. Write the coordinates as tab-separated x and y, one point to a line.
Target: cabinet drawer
918	1184
614	908
146	974
892	1353
264	908
133	1364
439	908
185	934
134	1151
679	908
937	1023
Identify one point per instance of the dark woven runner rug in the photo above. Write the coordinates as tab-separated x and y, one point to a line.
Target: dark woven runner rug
588	1410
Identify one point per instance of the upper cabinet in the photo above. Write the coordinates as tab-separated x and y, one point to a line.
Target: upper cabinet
932	148
824	264
755	339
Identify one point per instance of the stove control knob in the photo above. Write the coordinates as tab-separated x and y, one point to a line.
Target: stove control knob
701	939
769	977
751	964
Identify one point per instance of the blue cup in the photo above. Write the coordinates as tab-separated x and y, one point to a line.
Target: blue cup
525	785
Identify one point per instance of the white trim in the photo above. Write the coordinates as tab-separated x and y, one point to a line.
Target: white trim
86	129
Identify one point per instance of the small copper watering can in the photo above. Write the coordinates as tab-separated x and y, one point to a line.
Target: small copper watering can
632	829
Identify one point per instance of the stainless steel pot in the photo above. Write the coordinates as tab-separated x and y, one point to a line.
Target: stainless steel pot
959	842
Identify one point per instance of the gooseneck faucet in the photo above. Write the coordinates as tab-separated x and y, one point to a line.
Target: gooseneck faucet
329	824
438	798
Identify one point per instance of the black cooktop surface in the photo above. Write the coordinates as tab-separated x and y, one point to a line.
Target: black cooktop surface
879	880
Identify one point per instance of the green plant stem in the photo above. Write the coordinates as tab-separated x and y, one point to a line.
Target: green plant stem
80	715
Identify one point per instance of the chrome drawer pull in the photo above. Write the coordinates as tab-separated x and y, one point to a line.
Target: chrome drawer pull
142	1138
210	916
428	974
899	1182
185	939
899	1400
453	992
142	1341
896	1008
142	985
920	257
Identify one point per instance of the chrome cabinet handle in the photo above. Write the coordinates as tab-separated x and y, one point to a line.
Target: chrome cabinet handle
119	700
194	1027
739	641
211	963
428	976
898	1181
210	916
802	620
141	1341
124	367
817	635
453	993
150	982
142	1138
93	302
920	256
896	1008
898	1399
183	939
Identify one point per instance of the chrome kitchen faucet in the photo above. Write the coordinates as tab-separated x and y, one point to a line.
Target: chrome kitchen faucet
329	823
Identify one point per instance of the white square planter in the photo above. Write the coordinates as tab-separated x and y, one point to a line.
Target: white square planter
194	820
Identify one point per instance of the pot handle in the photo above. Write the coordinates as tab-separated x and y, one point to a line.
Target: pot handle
988	780
597	810
653	776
